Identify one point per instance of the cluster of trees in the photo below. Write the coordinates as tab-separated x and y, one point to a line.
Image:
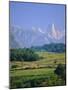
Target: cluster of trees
53	47
25	54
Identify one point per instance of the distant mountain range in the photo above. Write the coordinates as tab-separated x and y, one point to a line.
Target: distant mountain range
20	38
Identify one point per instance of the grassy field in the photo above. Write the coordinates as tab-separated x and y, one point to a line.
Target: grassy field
36	73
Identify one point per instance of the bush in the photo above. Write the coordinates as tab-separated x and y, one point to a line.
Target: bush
61	71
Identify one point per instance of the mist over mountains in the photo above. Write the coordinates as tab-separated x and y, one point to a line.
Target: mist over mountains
20	38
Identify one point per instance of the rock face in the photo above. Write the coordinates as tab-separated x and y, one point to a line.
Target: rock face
20	38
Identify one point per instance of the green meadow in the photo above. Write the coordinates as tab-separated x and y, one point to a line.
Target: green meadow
39	73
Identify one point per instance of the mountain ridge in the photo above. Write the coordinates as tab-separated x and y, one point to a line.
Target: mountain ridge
34	36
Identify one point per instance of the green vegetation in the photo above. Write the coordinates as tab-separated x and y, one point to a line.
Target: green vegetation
23	55
53	47
40	72
61	71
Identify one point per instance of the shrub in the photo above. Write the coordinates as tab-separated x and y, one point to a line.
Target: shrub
61	71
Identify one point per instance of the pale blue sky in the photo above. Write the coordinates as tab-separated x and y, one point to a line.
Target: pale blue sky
27	15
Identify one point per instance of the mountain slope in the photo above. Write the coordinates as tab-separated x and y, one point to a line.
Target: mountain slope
20	38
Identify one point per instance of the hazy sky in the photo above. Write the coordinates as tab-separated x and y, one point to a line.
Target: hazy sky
28	15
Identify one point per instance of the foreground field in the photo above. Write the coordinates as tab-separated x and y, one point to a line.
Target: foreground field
36	73
46	60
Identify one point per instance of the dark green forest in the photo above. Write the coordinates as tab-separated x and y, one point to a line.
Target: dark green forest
53	47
